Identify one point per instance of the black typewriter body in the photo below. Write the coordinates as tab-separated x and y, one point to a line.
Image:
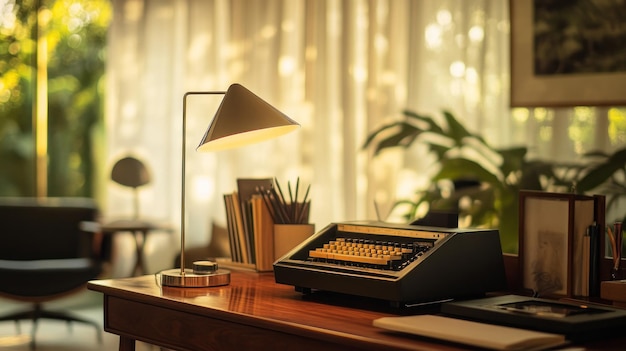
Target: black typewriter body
414	264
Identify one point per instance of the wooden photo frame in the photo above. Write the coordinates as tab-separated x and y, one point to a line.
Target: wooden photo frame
552	230
559	66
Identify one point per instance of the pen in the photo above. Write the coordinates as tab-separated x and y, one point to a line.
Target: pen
286	210
609	231
618	241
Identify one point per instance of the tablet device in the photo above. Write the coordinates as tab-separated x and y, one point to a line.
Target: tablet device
578	322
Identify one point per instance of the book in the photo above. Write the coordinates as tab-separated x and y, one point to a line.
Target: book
244	243
246	188
250	225
489	336
263	227
231	222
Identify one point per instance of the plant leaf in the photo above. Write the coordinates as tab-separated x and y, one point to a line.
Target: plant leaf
456	131
532	173
438	149
461	168
603	172
370	139
400	134
404	136
512	159
432	124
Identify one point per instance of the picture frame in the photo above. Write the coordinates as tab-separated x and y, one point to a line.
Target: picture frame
552	251
544	77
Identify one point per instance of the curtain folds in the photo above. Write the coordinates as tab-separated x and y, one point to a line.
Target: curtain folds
340	68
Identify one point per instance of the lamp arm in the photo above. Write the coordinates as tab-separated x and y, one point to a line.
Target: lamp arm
183	155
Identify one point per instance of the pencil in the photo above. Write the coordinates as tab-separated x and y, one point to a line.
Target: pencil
613	247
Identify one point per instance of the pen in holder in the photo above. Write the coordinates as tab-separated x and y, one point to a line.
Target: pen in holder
282	211
290	215
616	247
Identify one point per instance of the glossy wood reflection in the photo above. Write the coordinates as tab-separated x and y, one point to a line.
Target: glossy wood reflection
253	312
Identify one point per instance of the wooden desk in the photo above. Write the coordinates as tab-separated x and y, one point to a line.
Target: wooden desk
252	313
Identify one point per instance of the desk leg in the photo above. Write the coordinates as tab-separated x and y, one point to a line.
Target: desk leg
127	344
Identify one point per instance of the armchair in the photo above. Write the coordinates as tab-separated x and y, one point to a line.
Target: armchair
46	253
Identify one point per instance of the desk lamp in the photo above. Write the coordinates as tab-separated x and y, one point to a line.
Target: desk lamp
241	119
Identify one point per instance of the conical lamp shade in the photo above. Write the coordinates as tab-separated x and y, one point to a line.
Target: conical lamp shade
244	118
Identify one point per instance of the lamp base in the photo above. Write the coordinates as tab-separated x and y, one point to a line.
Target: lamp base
189	279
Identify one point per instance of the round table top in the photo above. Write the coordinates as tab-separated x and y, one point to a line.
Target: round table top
131	225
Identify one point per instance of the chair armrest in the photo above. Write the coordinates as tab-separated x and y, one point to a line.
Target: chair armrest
93	230
90	227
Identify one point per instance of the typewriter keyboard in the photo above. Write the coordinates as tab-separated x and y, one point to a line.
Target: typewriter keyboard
369	253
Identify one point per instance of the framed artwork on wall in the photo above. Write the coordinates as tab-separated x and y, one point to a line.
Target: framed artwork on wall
567	54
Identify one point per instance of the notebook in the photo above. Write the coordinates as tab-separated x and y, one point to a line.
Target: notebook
483	335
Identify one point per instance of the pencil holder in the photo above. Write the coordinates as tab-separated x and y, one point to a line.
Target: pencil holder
288	236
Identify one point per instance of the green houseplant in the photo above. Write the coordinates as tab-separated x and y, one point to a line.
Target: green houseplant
494	175
606	173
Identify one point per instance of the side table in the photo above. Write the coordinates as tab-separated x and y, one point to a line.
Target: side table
140	230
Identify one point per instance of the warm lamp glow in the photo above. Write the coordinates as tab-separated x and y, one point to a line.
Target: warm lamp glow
246	138
242	118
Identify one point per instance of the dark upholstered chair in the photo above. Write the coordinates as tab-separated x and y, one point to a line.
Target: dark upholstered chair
46	253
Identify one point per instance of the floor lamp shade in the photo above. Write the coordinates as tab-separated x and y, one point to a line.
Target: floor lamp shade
130	172
244	118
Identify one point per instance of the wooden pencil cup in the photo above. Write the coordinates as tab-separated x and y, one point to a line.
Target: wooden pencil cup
288	236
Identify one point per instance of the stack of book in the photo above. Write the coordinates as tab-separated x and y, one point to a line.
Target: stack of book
250	225
251	213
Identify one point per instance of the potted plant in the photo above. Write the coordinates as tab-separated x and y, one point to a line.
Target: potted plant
488	179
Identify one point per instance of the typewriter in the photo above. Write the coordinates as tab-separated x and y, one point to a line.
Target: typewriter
403	264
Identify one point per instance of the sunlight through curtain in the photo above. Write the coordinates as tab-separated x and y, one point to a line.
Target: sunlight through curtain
340	68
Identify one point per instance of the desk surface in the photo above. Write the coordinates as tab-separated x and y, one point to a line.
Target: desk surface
253	312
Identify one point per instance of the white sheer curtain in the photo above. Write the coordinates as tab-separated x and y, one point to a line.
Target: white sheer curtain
340	68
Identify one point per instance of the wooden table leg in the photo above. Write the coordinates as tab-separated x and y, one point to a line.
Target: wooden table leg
127	344
140	240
